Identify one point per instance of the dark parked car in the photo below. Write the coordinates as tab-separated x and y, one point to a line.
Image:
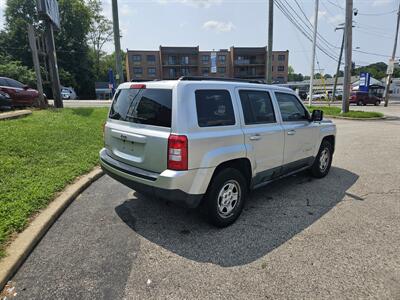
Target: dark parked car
5	101
364	98
20	94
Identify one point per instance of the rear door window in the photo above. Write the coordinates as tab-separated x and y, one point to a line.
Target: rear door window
143	106
257	107
214	108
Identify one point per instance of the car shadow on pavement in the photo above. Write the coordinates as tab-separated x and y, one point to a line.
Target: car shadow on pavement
272	216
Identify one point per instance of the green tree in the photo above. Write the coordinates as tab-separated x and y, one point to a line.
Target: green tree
73	52
292	76
14	69
14	39
100	33
107	62
72	45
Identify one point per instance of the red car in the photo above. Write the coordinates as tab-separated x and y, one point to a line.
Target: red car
364	98
20	94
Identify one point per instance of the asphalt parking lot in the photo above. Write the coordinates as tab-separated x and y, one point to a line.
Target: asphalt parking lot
337	237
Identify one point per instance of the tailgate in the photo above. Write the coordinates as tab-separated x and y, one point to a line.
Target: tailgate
138	127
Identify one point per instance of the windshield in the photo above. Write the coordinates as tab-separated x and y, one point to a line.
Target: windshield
143	106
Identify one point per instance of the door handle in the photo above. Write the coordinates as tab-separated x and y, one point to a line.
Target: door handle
255	137
291	132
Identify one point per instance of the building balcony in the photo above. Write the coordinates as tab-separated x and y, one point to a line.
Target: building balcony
248	62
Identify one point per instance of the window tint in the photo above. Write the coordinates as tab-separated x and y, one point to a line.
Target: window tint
3	82
257	107
290	107
144	106
214	108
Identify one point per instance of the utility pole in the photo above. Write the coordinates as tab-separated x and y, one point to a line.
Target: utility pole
53	67
338	67
390	72
348	32
36	64
117	42
268	65
313	52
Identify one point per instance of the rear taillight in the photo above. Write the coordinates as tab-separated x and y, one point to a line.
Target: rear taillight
177	152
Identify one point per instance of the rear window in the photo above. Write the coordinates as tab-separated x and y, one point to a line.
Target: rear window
214	108
143	106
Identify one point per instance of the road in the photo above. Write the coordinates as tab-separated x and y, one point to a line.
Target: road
107	103
336	237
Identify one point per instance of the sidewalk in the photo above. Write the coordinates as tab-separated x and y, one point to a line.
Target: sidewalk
15	114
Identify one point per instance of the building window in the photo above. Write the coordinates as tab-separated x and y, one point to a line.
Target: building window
222	59
280	79
172	60
205	59
221	70
137	58
138	72
272	57
185	60
151	59
151	72
272	68
281	68
185	71
205	71
172	73
281	57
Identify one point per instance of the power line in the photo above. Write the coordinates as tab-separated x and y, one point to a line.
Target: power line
301	28
364	14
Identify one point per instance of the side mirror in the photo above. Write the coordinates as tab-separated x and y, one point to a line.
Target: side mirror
317	115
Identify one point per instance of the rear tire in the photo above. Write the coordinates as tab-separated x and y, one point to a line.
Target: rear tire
323	161
360	103
377	103
225	197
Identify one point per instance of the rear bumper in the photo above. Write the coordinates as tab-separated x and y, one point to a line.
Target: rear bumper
170	185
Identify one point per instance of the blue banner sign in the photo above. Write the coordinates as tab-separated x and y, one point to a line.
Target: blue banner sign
365	79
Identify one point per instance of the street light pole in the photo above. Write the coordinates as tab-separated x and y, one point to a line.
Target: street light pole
117	42
313	53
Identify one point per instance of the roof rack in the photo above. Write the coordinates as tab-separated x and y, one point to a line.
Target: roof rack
193	78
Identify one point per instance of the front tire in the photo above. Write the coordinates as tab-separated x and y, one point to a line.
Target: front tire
323	161
377	103
360	103
225	197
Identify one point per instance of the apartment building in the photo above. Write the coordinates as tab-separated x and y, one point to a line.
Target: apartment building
249	63
174	62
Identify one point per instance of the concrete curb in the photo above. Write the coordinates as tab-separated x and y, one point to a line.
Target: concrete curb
20	248
357	119
15	114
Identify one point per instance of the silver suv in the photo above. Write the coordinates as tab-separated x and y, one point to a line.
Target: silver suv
201	141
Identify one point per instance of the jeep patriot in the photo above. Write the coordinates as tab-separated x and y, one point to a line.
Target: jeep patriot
210	141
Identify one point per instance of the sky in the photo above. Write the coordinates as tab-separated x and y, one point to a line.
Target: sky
220	24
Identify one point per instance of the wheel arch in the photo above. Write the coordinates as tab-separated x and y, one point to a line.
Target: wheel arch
241	164
330	139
